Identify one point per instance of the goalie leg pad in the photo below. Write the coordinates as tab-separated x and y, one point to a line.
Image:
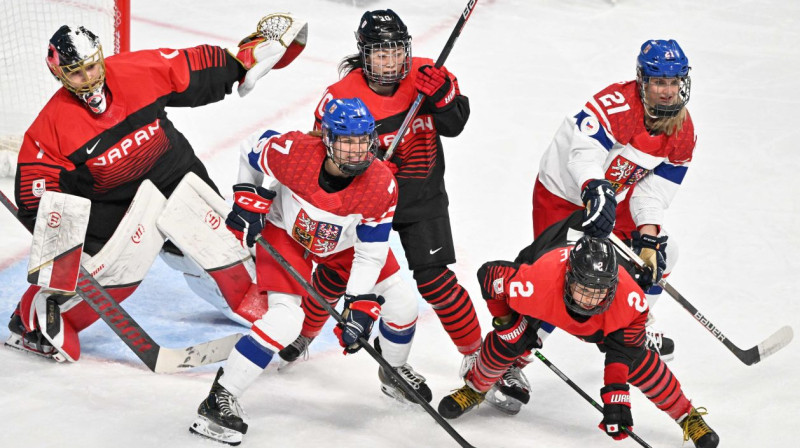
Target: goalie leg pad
55	328
216	265
398	319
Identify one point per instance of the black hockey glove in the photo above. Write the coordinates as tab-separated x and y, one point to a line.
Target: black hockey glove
250	207
653	251
435	83
600	208
360	312
520	334
616	411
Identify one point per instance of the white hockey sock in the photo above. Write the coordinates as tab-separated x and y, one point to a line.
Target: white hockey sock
245	363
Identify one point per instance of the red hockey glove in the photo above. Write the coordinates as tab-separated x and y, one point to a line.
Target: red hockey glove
360	312
435	83
600	208
250	207
616	411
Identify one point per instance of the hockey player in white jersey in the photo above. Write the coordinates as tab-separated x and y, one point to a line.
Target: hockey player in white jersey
325	203
621	158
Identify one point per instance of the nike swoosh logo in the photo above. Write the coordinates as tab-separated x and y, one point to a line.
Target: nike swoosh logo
169	56
90	150
433	251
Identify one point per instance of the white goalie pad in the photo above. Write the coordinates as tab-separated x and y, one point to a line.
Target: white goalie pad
132	249
215	265
58	235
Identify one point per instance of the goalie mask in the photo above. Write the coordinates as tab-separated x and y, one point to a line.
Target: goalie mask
75	57
662	73
385	47
348	131
591	278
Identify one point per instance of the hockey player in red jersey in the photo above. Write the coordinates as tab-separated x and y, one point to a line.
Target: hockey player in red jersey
581	290
105	136
328	204
621	159
387	78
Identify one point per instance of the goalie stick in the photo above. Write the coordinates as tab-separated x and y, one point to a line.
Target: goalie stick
412	112
361	340
157	358
753	355
585	396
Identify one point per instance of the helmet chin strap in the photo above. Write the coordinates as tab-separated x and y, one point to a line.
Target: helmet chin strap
95	100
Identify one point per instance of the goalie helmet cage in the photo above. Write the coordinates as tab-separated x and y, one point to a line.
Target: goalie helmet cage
27	85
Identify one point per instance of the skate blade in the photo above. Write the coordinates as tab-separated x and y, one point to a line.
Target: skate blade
204	427
17	344
502	403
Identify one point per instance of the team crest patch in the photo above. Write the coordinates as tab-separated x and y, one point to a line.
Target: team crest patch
317	237
623	174
38	188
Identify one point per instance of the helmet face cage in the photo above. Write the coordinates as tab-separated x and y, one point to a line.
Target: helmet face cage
348	132
75	57
591	277
662	73
385	47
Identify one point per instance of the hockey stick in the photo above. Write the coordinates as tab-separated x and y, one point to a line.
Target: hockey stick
772	344
585	396
363	341
412	112
157	358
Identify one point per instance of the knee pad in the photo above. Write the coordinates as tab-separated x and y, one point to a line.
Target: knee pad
281	325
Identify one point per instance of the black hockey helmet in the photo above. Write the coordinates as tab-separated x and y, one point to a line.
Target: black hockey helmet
592	276
75	49
383	30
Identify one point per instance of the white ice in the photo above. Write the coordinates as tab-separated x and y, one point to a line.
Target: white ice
524	65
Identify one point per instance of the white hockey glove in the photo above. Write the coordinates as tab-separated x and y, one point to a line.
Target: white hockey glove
278	40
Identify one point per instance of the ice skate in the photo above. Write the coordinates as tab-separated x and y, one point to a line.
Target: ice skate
460	401
467	363
510	392
293	351
390	387
219	416
656	341
696	429
32	342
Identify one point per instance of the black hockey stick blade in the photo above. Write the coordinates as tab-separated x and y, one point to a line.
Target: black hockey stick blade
585	396
364	343
157	358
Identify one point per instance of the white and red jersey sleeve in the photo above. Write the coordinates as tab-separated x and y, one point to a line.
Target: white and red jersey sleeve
358	217
607	139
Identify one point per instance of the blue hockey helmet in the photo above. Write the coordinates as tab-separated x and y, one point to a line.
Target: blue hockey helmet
663	59
348	131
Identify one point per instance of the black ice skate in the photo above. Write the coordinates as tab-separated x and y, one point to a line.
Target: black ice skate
219	416
390	387
510	392
292	352
459	402
696	429
32	342
657	342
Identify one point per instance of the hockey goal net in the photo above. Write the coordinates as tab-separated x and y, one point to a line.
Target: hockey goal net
25	29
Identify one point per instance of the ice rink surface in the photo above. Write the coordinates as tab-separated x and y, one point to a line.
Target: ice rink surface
525	65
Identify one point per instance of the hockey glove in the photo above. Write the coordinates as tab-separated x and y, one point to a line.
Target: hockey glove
616	411
520	333
250	207
360	312
435	83
279	40
493	277
653	251
600	208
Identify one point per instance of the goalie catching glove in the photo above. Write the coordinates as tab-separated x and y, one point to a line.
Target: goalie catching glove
278	40
360	312
250	207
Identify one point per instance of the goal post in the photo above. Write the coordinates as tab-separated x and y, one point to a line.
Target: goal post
27	84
